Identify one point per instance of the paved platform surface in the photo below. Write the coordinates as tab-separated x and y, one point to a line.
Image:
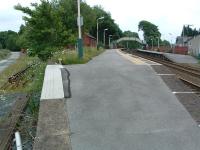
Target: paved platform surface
175	57
181	58
117	104
5	63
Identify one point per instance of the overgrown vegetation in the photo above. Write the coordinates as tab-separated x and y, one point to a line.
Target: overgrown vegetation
68	57
4	54
31	83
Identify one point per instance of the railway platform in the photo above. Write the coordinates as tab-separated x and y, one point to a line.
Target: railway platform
177	58
119	102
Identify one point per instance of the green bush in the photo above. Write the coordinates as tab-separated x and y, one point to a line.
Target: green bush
45	54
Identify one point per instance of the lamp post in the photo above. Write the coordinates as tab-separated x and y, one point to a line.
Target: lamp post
171	39
104	37
80	42
171	42
109	39
152	44
98	29
158	42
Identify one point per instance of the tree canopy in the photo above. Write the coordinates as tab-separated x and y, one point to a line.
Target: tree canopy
53	23
188	31
165	43
130	34
151	31
8	40
130	44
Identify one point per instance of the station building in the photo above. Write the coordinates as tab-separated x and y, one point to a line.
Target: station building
194	46
89	40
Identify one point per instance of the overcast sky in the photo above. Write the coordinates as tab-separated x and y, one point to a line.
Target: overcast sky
168	15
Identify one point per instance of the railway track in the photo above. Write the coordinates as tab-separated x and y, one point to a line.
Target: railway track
183	68
195	88
189	75
8	126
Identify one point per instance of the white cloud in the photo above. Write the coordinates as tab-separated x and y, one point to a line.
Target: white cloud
11	19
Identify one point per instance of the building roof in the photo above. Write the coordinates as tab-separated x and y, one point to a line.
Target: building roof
89	35
180	39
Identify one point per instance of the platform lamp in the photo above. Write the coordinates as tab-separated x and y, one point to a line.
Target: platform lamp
158	42
104	37
152	44
101	18
171	42
109	39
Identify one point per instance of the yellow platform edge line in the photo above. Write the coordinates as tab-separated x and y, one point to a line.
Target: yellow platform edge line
133	60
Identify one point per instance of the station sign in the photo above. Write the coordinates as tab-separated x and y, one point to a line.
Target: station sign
80	21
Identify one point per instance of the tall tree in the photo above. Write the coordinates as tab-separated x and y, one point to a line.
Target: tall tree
188	31
151	31
46	27
106	23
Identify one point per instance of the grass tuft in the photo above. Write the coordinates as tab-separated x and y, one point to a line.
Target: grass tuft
4	53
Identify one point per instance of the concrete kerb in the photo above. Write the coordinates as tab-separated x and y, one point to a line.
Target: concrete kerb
52	129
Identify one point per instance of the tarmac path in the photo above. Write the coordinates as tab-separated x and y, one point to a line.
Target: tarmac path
5	63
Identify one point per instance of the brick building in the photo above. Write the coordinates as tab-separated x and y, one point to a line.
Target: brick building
89	40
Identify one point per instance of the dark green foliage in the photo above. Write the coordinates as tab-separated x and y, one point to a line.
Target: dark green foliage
189	31
90	21
165	43
8	40
130	34
47	27
151	32
130	44
46	53
54	24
